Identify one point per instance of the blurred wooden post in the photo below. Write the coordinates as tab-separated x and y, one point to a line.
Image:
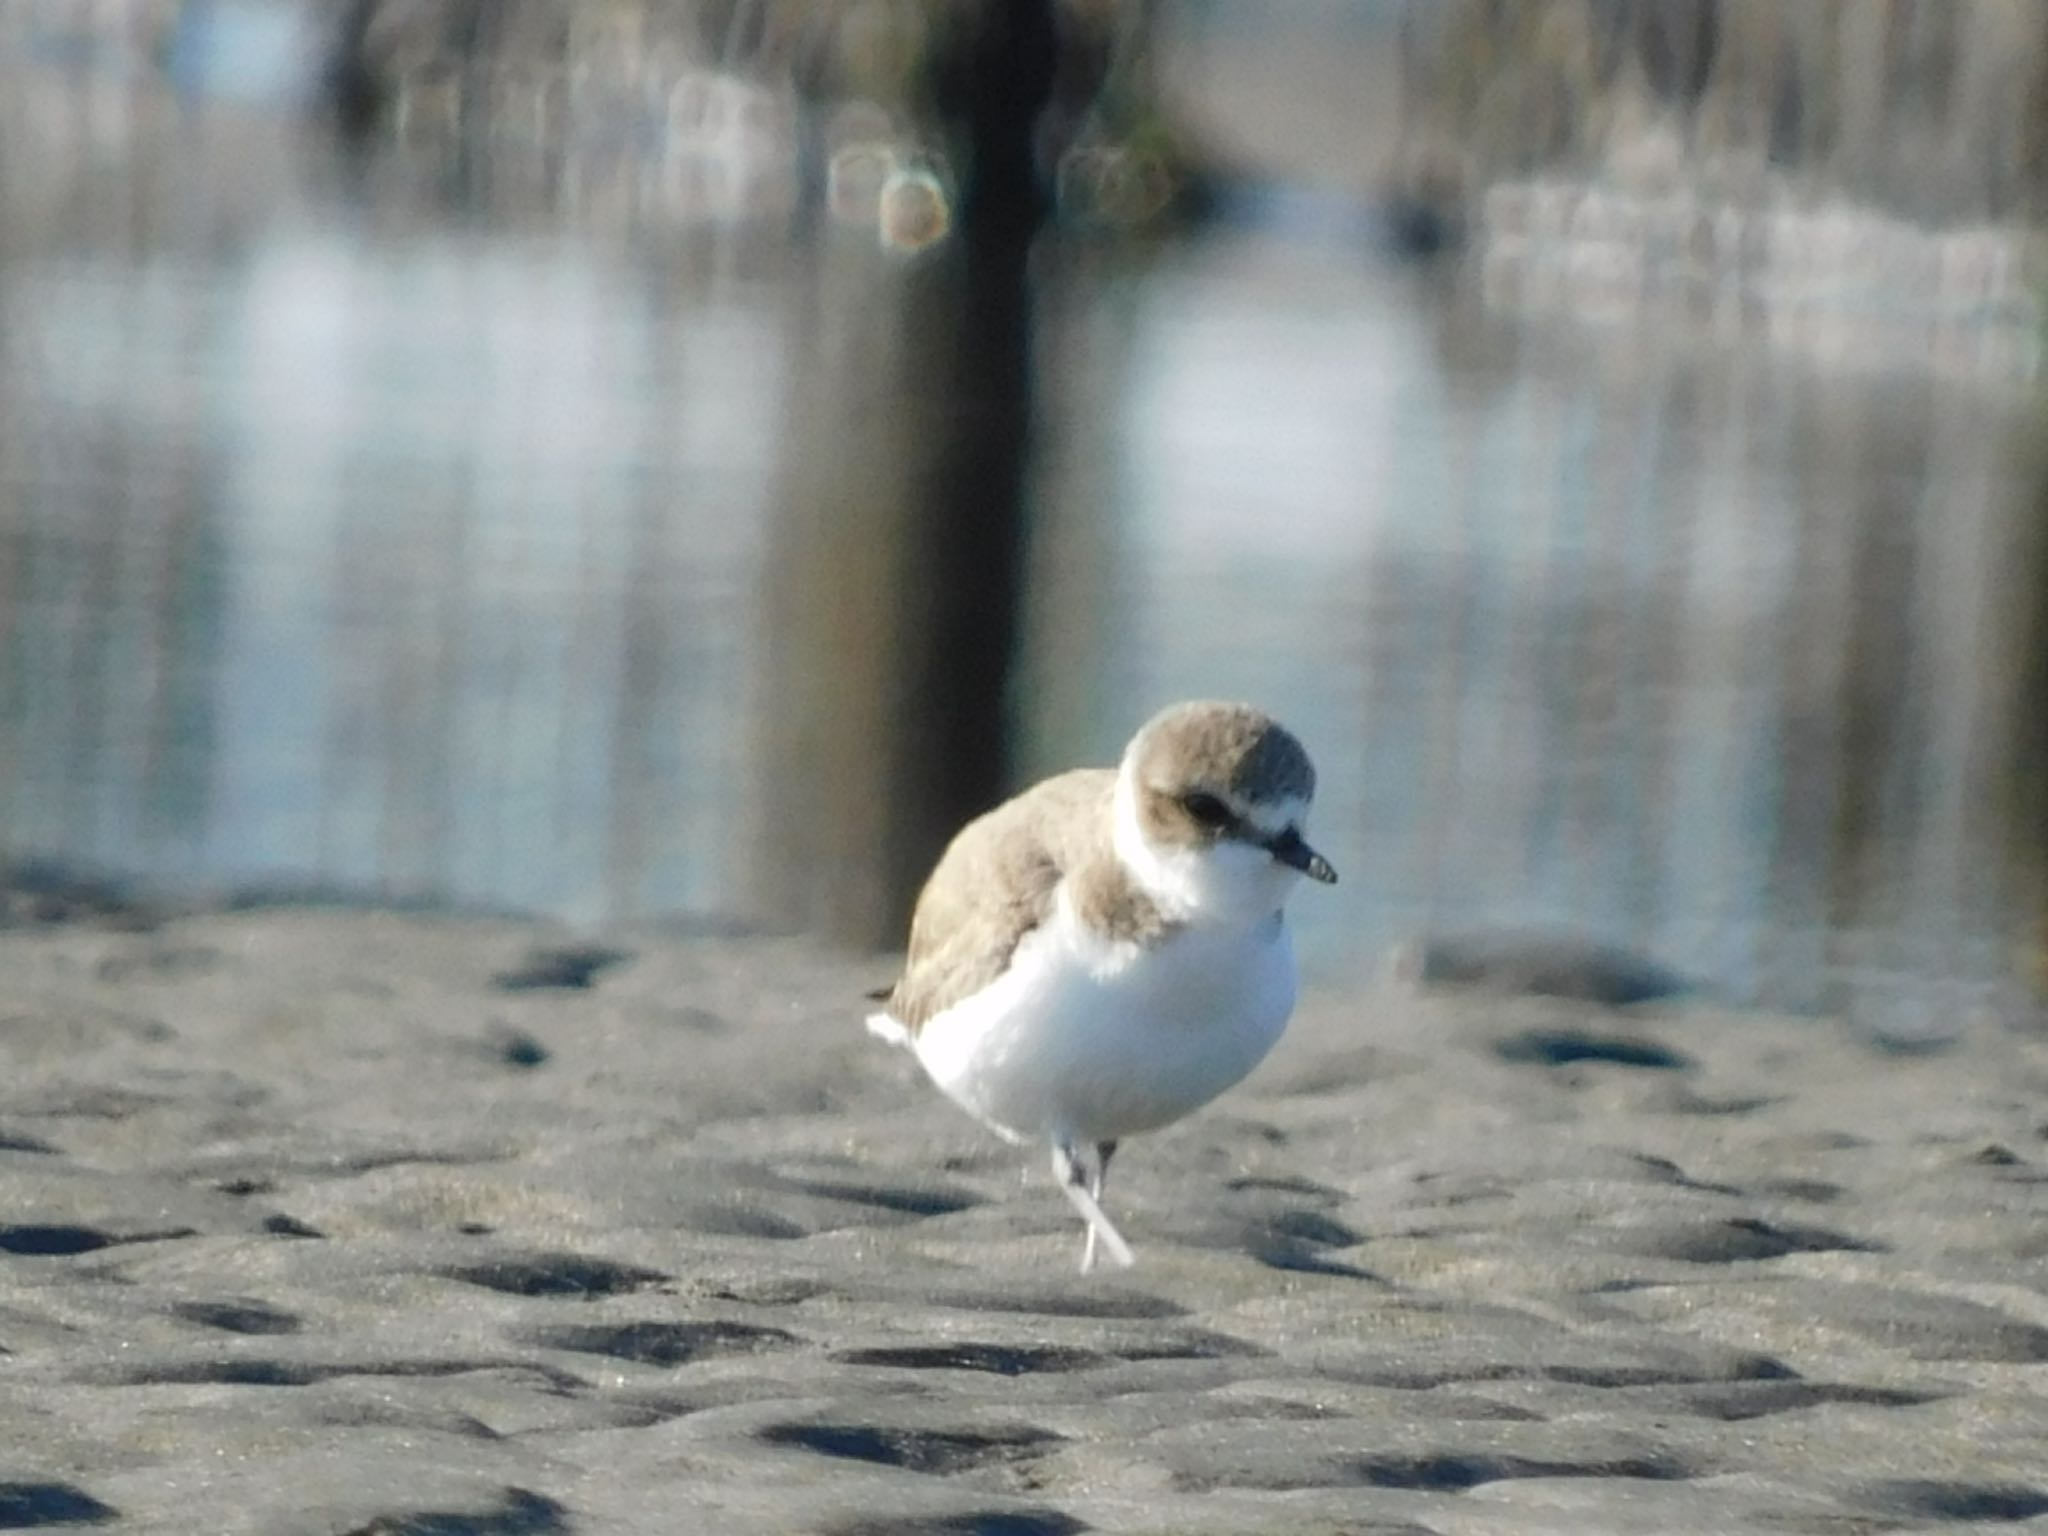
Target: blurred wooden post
355	93
967	538
892	602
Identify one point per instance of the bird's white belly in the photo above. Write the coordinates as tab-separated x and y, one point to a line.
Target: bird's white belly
1096	1041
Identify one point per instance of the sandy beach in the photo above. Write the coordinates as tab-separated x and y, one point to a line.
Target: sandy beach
329	1221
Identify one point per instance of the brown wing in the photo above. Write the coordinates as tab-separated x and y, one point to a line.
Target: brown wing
993	885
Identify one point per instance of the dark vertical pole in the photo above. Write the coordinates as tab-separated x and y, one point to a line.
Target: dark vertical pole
893	590
2028	770
969	533
355	94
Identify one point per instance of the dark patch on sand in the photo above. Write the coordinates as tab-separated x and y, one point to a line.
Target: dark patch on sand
518	1513
1309	1189
1294	1258
1907	1045
1942	1328
1738	1400
664	1343
1713	1106
1742	1239
768	1290
569	967
1624	1286
980	1522
61	1239
1299	1242
49	893
1314	1228
1049	1299
557	1274
30	1506
281	1225
237	1316
1453	1473
260	1371
14	1141
1411	1378
1560	965
234	1373
55	1240
1192	1344
1754	1368
1564	1047
159	962
995	1359
1442	1472
733	1218
93	1101
1296	1241
935	1451
1958	1501
516	1048
911	1200
1808	1191
350	1165
1670	1173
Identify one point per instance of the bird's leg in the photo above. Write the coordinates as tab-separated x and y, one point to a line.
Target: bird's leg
1104	1151
1082	1184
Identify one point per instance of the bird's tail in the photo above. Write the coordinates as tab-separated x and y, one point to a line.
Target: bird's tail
892	1030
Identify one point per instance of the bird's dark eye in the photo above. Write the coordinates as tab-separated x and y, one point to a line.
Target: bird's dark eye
1206	810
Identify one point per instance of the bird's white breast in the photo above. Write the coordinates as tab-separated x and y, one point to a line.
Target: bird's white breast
1091	1039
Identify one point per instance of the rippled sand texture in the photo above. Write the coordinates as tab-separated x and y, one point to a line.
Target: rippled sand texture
319	1221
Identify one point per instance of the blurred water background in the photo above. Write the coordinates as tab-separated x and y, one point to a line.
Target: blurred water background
628	460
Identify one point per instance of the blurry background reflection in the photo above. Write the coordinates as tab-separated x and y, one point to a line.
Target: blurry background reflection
627	459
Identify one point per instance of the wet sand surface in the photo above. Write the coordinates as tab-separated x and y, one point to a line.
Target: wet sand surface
350	1222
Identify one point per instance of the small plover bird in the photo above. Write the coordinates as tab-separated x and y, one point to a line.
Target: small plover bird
1106	952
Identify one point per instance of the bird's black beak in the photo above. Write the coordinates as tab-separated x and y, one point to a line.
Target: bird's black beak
1290	850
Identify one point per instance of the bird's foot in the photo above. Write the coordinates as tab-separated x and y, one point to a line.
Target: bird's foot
1082	1184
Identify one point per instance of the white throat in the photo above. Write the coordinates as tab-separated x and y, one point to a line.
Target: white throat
1231	883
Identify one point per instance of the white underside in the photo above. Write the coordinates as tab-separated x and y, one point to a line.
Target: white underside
1086	1040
